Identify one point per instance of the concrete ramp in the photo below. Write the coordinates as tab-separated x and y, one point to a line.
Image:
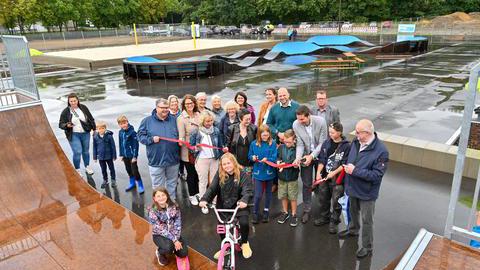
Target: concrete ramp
50	218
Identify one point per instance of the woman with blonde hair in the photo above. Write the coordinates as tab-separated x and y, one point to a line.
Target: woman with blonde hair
232	187
174	106
206	159
230	117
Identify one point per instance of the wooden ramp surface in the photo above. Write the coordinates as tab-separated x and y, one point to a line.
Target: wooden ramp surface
50	218
446	254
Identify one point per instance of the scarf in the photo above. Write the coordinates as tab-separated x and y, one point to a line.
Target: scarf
208	131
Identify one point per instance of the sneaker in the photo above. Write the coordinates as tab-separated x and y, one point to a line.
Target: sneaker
265	218
255	219
114	183
283	218
104	184
205	210
193	200
294	221
217	254
321	222
246	250
162	259
89	170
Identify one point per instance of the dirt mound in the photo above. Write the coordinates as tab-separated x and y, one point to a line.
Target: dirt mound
457	17
475	15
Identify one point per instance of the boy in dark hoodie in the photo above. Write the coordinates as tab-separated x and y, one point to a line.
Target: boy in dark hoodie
333	155
128	145
104	151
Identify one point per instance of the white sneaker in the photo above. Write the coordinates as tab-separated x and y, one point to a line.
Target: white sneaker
193	200
89	170
205	210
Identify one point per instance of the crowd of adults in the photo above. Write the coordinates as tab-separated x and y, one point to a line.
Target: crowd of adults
328	163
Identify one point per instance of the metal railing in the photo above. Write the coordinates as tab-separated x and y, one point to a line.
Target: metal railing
450	228
18	84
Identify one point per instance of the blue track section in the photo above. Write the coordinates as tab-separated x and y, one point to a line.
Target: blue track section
297	47
337	40
144	59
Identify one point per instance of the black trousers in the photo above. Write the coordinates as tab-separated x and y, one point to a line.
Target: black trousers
244	222
111	167
328	194
192	178
132	168
166	246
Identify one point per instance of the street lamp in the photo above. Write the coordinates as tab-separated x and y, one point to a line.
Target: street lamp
339	17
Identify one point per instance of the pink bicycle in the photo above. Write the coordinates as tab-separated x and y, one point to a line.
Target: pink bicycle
230	244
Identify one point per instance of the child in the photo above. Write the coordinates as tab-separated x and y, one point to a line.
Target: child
232	186
263	149
166	219
128	145
333	154
104	151
287	179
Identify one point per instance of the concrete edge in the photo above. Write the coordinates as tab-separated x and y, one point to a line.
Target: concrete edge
430	155
92	64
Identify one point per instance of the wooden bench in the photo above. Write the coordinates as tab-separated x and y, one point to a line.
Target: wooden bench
334	64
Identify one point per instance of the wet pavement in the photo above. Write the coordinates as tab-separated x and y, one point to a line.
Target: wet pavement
422	98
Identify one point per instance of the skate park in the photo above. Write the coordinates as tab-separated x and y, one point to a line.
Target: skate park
419	99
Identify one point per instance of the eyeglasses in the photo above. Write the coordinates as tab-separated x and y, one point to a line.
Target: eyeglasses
363	131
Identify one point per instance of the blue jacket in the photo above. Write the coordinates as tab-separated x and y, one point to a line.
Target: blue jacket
217	140
128	142
164	153
262	171
370	166
104	148
225	124
287	155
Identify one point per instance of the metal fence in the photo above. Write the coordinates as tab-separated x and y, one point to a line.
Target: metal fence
18	72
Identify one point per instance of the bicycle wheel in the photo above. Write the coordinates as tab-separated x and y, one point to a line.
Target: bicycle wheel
224	258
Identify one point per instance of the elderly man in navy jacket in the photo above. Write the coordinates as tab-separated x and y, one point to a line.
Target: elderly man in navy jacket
163	155
366	165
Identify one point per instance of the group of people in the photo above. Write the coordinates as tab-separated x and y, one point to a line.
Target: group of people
233	156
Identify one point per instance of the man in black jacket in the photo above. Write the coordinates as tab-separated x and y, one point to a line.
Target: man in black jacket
366	165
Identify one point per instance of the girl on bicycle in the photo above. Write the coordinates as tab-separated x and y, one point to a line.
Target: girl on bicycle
261	150
166	219
232	186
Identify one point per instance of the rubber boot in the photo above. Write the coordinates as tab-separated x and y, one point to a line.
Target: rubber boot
131	185
140	189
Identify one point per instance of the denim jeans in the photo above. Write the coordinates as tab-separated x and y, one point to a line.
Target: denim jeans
165	177
80	145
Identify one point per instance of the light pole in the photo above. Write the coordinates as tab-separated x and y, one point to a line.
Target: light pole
339	17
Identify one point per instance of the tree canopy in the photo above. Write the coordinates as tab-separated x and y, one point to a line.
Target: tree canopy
113	13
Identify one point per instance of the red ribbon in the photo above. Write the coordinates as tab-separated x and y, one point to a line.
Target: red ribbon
193	147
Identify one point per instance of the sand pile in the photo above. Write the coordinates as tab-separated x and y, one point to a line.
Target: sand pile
457	18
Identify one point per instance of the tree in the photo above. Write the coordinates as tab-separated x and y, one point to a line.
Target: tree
153	11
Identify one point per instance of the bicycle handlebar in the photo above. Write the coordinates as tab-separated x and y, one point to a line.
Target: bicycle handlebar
217	211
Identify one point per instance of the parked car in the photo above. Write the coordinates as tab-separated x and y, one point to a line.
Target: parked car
347	25
231	30
372	24
387	24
